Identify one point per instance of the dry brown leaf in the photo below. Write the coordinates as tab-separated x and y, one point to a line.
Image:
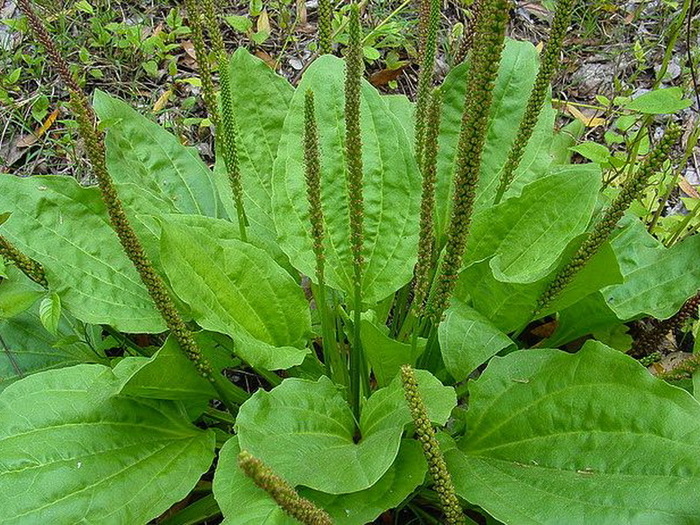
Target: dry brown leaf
383	77
545	330
188	46
301	12
267	58
688	188
26	140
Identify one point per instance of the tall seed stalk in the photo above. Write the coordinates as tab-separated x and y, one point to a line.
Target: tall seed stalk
226	130
632	188
95	148
486	57
548	65
325	26
354	174
335	366
27	266
429	20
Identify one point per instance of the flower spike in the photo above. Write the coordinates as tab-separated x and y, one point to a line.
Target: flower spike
282	492
431	449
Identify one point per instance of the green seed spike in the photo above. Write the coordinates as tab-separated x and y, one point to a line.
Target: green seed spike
631	190
468	34
548	65
431	449
282	492
205	73
430	18
95	148
312	164
486	57
27	266
353	153
325	26
226	133
426	238
353	138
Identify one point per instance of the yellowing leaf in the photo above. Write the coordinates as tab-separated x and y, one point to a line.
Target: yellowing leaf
588	121
162	100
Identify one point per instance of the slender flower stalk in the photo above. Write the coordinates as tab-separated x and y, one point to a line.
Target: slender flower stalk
486	57
312	163
548	65
353	153
27	266
430	18
95	148
282	492
205	71
226	132
631	190
426	238
468	34
431	449
325	26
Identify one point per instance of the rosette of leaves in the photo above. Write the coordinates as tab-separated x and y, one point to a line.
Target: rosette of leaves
548	437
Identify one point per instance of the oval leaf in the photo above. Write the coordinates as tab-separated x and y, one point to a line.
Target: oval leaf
65	227
67	456
516	77
236	289
304	431
391	187
560	438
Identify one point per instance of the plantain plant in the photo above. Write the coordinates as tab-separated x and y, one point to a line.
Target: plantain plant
358	312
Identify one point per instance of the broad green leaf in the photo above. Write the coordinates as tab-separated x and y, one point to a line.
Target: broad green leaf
589	315
560	438
391	187
386	355
659	101
525	235
152	170
305	431
468	340
508	305
3	268
67	456
213	229
261	100
236	289
242	503
27	348
168	374
404	110
657	280
17	293
50	312
65	228
516	76
563	139
593	151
